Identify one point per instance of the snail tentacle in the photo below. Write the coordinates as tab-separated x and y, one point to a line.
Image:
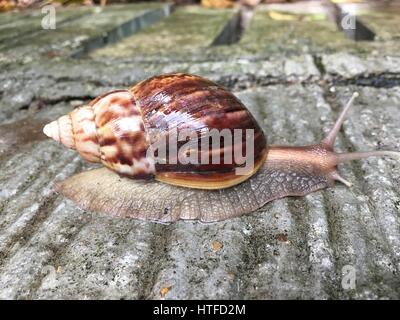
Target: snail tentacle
330	139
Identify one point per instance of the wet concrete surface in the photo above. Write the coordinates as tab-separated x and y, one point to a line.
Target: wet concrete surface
291	248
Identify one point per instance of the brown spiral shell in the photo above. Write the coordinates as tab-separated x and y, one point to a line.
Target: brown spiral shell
120	127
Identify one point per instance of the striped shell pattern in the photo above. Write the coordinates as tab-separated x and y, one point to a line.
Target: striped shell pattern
118	128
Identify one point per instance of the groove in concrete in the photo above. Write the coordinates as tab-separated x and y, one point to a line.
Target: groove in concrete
124	30
351	26
235	27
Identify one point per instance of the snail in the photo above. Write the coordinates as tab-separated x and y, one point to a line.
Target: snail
126	130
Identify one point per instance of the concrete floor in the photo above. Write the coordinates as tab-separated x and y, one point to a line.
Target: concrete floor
296	248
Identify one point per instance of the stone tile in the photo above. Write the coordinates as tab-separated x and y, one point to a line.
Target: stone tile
291	248
347	65
188	30
279	32
75	29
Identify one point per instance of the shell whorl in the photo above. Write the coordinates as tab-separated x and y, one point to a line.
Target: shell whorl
61	131
84	133
184	102
109	130
121	134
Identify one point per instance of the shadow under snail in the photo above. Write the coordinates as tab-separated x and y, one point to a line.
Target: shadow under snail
119	128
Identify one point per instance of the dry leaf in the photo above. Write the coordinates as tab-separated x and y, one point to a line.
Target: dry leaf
282	16
216	246
221	4
164	291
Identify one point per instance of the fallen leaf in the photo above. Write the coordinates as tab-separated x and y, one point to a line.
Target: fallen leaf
164	291
216	246
282	16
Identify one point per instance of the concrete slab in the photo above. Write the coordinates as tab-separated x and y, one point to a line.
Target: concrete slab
22	25
75	29
278	32
188	30
65	80
291	248
385	24
348	65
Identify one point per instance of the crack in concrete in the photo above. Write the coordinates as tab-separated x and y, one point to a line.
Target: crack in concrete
379	80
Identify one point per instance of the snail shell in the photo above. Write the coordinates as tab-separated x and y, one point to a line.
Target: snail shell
119	128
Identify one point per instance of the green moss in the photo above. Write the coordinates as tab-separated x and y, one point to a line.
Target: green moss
72	28
299	33
25	24
384	23
186	30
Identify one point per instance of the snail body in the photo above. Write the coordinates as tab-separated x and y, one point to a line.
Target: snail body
126	131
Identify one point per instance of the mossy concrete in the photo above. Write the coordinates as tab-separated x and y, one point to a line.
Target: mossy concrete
74	29
385	24
272	32
291	248
287	33
297	248
188	30
15	29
